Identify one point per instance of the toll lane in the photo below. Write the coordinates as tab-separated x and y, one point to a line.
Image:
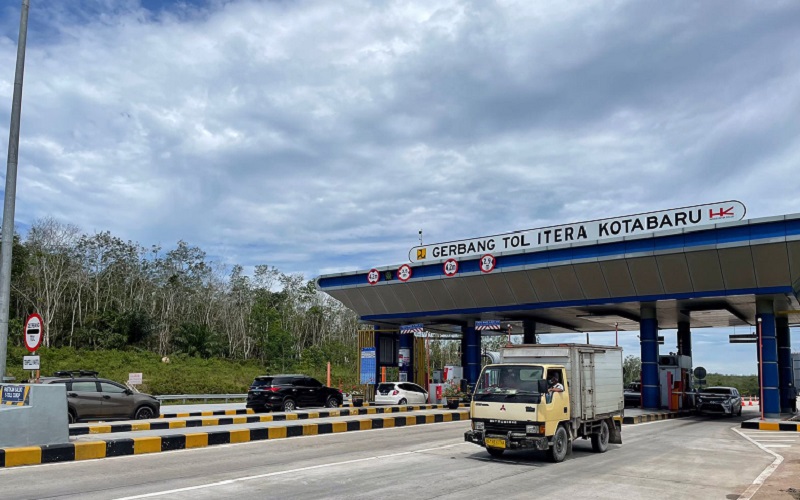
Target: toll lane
684	458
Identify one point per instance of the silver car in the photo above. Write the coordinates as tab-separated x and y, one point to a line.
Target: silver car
92	398
719	400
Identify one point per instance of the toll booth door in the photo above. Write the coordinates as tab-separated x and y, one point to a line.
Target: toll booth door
588	383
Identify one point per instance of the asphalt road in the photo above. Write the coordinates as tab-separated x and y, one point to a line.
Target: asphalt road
683	458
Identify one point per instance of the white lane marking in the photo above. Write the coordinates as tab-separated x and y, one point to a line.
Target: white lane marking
10	470
284	472
777	446
757	482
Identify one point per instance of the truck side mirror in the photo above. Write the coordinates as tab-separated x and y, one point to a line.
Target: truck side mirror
542	386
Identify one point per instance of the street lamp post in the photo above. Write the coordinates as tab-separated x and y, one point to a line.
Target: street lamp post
11	189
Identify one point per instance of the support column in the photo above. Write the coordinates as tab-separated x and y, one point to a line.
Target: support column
406	356
528	331
471	347
648	336
684	339
769	358
785	374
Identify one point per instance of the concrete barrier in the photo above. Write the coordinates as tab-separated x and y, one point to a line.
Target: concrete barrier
40	420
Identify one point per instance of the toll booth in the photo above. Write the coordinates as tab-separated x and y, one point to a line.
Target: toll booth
675	379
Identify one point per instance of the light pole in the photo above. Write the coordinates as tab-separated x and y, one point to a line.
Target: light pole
11	189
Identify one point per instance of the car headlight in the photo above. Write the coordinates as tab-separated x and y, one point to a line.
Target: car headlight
478	426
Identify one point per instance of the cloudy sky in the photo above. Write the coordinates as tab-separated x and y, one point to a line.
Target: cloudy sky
322	136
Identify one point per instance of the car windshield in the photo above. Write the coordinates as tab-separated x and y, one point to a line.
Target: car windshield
718	390
507	379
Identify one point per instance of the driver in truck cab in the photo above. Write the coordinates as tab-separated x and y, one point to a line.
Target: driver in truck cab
554	383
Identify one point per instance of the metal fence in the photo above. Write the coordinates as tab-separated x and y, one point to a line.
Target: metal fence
196	397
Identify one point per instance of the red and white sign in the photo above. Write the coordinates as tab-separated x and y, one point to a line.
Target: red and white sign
488	262
373	276
404	273
450	267
33	332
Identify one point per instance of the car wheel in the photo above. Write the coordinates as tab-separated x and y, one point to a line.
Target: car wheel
144	412
289	405
72	416
600	440
558	451
403	401
495	452
332	402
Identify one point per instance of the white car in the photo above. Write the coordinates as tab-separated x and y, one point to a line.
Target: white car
400	393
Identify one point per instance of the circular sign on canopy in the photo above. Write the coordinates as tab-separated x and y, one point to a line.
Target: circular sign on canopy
404	273
700	372
450	267
487	263
33	332
373	276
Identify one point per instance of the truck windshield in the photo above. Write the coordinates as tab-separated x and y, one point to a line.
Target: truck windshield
508	379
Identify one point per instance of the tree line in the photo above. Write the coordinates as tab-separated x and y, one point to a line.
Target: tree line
96	291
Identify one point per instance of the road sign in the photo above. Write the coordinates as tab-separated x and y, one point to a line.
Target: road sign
747	338
487	263
373	276
700	372
33	332
135	378
30	363
450	267
404	273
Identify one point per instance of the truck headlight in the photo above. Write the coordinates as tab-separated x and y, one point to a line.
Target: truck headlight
531	429
477	426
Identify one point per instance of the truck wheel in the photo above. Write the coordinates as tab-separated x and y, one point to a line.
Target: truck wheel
495	452
600	440
558	451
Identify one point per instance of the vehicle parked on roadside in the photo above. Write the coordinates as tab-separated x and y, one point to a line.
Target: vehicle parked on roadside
289	392
400	393
633	395
93	398
720	401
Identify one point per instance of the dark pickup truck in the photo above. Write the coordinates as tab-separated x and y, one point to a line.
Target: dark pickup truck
633	395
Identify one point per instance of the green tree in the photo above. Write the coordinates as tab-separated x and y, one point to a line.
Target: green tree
631	369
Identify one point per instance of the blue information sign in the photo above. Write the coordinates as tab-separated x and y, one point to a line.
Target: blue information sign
367	365
16	395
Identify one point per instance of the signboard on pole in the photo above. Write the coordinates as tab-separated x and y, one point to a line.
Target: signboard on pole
30	363
135	378
33	332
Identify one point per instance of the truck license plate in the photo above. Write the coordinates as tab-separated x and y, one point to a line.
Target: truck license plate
495	442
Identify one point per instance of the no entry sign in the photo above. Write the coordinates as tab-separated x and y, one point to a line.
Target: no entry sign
33	332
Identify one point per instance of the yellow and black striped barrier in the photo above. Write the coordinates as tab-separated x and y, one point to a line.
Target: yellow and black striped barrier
207	421
652	417
772	426
86	450
214	413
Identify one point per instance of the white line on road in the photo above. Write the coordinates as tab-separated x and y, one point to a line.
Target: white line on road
777	446
757	482
283	472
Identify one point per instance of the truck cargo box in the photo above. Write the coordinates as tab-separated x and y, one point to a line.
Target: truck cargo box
594	374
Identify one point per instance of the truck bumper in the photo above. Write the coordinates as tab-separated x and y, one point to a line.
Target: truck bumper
510	442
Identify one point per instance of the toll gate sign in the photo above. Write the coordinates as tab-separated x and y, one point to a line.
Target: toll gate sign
33	332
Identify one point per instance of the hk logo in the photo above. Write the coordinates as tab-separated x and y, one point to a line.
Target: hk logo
503	408
721	214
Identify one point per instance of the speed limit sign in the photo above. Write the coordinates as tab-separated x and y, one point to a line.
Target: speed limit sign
373	276
450	267
404	273
487	263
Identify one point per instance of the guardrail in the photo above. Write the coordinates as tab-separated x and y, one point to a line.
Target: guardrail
204	397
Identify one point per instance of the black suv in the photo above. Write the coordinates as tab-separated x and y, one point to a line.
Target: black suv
92	398
287	392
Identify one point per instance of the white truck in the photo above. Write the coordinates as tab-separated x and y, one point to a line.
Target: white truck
513	406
